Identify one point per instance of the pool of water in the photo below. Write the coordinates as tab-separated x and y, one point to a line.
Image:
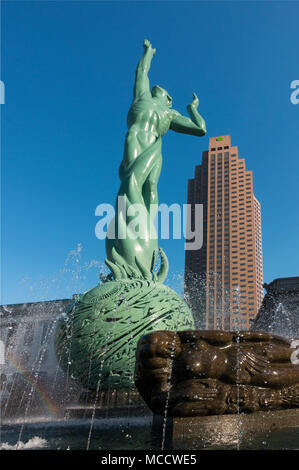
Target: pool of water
112	434
118	434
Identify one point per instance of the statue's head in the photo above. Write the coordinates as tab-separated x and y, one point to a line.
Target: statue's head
162	95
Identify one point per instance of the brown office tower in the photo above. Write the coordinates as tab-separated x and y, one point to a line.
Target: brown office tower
224	279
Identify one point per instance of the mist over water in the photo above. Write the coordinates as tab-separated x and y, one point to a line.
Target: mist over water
74	277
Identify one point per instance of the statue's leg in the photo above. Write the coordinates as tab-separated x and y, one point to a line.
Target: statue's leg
149	190
132	149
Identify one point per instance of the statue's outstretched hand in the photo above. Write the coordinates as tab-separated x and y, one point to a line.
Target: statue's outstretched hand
195	101
196	118
147	46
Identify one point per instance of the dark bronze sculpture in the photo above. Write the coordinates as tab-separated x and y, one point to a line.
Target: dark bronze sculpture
198	373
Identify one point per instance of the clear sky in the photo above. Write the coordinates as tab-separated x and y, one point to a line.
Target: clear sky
68	69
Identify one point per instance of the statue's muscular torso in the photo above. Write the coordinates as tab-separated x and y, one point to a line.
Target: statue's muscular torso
147	120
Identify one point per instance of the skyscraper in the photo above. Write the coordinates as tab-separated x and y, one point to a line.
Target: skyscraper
224	279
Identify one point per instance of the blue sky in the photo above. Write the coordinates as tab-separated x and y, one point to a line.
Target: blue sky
68	69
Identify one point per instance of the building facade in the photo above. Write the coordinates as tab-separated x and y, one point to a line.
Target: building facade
31	381
224	279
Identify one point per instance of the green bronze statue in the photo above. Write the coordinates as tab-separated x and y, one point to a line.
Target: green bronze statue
150	117
96	341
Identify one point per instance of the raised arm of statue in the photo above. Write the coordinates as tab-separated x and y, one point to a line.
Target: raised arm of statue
141	80
194	126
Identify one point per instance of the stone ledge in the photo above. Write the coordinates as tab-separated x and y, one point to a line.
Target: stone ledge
219	430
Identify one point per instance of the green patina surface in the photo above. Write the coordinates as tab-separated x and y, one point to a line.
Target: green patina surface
97	340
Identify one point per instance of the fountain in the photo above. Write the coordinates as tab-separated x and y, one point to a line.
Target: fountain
203	389
279	313
186	377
